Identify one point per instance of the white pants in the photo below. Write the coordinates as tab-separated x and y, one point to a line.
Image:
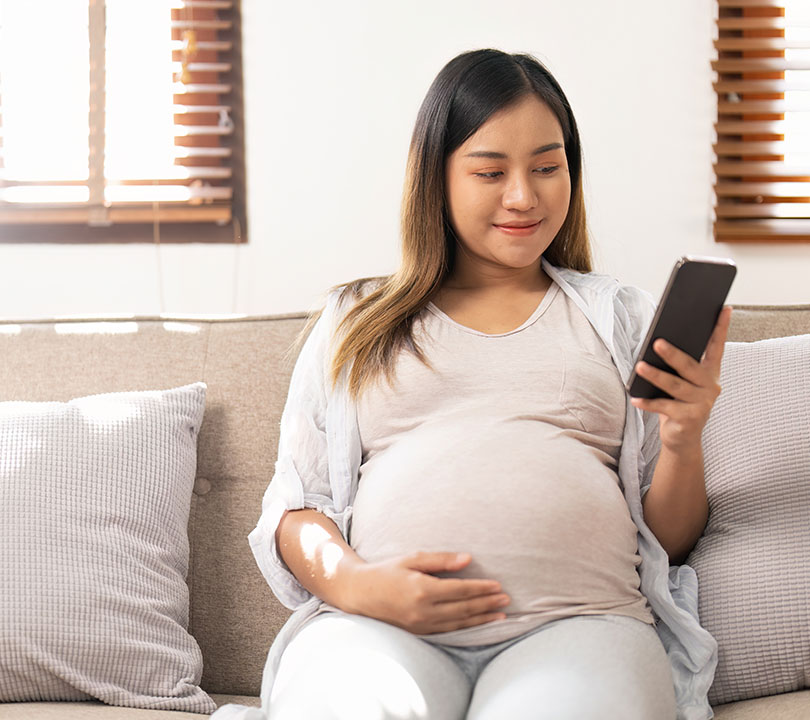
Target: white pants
596	667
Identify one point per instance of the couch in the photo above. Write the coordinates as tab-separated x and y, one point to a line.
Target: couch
246	365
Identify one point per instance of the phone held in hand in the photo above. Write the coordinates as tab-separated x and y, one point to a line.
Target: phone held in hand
686	315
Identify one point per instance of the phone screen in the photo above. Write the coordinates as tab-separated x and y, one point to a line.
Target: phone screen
686	314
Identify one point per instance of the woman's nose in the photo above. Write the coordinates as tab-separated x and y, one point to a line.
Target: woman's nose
519	194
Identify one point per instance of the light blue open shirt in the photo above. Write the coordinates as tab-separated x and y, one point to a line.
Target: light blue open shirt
320	453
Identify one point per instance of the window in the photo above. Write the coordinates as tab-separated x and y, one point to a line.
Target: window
762	170
121	121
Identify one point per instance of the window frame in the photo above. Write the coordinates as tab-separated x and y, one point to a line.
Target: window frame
197	221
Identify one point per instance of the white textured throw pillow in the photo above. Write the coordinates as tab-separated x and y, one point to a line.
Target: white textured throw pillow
94	506
753	561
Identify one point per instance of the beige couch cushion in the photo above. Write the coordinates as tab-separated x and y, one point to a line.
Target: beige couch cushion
792	706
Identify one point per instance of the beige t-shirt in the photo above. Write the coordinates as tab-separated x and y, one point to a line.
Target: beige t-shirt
507	450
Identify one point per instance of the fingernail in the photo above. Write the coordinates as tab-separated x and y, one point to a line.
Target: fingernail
462	557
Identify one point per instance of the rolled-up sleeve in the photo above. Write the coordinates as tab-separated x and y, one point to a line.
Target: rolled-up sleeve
301	478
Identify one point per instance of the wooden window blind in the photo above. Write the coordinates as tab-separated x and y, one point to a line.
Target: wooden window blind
762	170
128	127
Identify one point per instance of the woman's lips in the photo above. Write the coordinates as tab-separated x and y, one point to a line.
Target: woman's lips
520	231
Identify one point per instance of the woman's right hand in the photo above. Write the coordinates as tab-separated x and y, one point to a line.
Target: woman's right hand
403	591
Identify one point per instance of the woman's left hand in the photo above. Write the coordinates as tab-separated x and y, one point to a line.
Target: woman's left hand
682	418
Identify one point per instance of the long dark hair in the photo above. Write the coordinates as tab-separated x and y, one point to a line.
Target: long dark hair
465	94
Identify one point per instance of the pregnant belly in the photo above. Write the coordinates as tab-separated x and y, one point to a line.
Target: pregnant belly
544	517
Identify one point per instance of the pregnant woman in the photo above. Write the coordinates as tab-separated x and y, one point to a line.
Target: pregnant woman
469	516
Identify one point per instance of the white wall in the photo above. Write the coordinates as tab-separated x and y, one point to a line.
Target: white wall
332	91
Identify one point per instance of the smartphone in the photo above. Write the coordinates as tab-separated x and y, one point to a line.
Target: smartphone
686	315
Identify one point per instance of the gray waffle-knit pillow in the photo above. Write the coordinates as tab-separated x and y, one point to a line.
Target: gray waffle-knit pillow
94	506
753	561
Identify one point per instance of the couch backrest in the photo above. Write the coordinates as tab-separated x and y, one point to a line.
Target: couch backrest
757	322
233	614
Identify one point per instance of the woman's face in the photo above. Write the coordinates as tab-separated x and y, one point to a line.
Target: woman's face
508	191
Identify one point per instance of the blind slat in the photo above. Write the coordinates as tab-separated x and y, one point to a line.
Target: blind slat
740	147
180	173
751	23
764	43
795	210
758	65
761	22
197	152
187	109
139	215
171	194
771	107
763	189
174	180
739	4
750	127
224	67
192	24
763	230
200	213
197	130
198	88
763	86
10	181
731	168
131	193
202	4
204	45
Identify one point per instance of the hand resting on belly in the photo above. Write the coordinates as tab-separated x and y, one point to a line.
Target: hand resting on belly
402	591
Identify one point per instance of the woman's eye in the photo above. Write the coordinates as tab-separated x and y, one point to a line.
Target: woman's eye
489	175
547	170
